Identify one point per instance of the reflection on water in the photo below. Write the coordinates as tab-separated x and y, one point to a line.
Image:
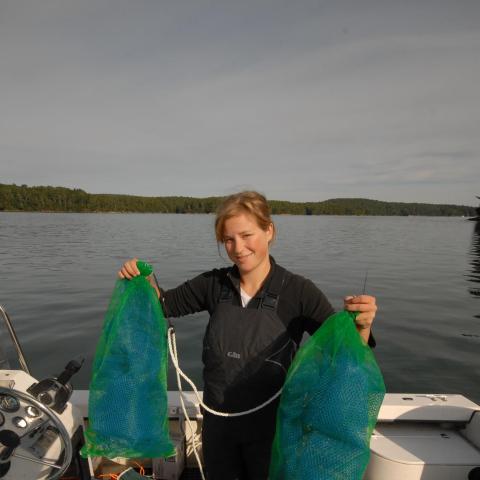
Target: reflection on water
474	274
4	363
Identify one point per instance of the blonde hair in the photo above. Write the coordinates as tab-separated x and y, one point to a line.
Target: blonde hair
249	202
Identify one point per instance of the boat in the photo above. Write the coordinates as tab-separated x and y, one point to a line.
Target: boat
417	436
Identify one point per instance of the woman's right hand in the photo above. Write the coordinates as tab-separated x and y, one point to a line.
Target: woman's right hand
129	269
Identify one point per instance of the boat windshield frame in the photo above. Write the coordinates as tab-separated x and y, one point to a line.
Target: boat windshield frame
17	348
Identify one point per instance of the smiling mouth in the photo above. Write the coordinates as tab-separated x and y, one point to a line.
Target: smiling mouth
241	257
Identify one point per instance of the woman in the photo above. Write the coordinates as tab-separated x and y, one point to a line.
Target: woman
258	314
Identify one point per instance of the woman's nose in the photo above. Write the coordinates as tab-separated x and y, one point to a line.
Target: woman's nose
238	246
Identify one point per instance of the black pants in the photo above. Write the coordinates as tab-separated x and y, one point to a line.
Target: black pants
238	448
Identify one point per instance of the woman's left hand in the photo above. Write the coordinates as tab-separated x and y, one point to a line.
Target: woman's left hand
366	307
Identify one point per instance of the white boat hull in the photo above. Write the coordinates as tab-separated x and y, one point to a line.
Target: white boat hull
417	437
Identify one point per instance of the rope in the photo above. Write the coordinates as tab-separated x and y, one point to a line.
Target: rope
173	355
172	347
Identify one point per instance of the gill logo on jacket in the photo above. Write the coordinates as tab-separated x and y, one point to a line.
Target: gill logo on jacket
233	355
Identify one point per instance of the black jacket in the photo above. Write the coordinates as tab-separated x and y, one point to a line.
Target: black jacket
301	305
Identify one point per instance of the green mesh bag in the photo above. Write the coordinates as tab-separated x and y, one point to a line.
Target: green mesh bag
127	408
329	406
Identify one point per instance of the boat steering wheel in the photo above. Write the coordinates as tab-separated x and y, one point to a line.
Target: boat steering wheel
23	421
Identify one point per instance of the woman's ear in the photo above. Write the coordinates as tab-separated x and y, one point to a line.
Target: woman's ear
270	230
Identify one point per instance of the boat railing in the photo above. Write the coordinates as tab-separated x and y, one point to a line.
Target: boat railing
13	336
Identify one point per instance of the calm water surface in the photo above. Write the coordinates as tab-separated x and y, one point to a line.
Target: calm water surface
58	271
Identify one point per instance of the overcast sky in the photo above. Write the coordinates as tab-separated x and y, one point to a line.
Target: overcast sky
302	100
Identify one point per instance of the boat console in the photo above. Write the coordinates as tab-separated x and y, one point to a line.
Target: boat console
36	441
41	432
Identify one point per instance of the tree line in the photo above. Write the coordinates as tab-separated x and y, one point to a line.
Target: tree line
60	199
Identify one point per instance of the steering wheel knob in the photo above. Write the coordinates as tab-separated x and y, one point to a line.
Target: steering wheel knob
9	441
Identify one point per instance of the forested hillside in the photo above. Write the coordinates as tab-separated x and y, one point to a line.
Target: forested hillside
60	199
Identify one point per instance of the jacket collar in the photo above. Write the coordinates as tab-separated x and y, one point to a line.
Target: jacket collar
234	276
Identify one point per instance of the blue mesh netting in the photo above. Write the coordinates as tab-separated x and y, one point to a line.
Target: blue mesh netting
128	410
329	406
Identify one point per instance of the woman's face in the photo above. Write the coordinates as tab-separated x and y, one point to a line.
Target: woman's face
246	243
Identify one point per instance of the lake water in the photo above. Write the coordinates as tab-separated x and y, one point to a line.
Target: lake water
58	271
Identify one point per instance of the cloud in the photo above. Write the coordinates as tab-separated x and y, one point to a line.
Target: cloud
302	102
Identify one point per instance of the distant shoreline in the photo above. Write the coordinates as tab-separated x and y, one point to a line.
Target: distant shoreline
46	199
212	213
